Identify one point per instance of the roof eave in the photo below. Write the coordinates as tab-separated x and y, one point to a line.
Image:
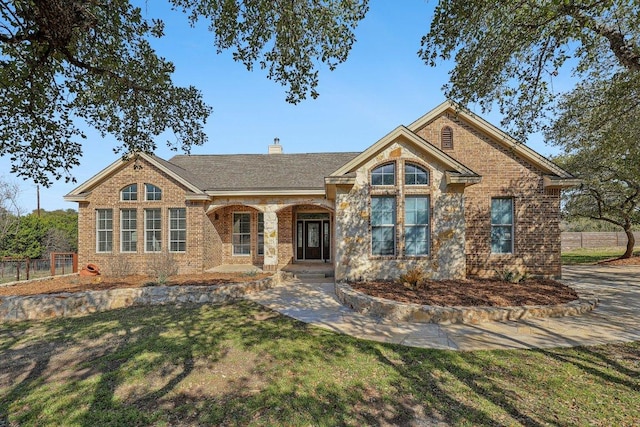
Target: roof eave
76	197
456	178
551	182
267	192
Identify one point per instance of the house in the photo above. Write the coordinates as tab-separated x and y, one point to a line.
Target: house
449	193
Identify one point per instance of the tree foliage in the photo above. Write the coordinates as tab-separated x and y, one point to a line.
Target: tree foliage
512	52
38	234
604	154
91	60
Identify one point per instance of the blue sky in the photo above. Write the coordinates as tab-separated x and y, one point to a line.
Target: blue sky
383	84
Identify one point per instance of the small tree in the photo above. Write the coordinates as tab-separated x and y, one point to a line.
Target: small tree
610	190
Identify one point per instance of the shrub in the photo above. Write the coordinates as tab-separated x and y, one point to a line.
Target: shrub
512	275
162	266
118	266
414	278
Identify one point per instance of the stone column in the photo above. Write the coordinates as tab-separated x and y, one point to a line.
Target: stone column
270	240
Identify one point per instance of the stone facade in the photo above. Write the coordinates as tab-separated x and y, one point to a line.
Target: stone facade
354	259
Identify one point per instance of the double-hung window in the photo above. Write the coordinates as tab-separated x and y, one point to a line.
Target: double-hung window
104	230
242	233
383	225
128	230
177	230
501	225
416	225
152	230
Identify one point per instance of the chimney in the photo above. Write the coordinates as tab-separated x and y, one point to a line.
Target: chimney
275	148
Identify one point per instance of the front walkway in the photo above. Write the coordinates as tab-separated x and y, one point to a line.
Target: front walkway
616	319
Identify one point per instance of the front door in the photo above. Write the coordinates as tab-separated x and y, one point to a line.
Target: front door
312	240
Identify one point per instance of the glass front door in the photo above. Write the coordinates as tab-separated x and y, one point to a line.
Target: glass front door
312	247
313	237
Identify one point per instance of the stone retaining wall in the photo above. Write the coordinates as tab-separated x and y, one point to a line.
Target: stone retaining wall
37	307
406	312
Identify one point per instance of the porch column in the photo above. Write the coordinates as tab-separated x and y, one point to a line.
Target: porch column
270	240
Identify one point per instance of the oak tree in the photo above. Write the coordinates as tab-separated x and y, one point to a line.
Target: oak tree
67	61
604	154
514	52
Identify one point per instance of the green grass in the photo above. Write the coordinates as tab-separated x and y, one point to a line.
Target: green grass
240	364
592	255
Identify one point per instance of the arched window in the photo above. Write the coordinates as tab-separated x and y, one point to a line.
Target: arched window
384	175
129	193
415	175
152	192
446	138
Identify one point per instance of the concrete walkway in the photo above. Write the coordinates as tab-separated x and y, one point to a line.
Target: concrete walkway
616	319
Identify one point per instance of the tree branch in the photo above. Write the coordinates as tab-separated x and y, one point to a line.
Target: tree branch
626	52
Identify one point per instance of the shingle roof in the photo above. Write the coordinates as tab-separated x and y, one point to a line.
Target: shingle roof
259	171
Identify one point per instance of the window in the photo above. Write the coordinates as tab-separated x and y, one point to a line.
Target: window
415	175
129	193
152	192
260	233
384	175
446	138
383	229
501	225
241	234
104	230
178	230
128	231
152	230
416	225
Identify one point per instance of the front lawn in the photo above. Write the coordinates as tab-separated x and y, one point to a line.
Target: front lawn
592	255
241	364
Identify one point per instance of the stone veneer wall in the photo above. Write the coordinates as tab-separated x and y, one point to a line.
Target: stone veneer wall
537	211
353	230
39	307
406	312
107	196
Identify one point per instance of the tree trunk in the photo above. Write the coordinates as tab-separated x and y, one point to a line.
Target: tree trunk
631	241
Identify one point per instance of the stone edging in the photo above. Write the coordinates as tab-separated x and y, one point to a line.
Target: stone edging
407	312
71	304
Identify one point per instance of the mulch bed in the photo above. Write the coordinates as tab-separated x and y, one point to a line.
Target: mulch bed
473	292
634	260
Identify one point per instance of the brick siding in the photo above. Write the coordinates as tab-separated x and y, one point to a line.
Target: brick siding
537	211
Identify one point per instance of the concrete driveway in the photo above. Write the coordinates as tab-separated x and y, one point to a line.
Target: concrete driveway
616	319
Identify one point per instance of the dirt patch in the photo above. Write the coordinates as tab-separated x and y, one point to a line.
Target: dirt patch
634	260
99	283
473	292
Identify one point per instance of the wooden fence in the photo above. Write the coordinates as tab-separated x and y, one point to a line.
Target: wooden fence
594	239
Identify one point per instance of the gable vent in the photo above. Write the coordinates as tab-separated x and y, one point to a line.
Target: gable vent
446	138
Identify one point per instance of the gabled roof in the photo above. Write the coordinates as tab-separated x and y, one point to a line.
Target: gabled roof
180	175
493	132
255	173
453	166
